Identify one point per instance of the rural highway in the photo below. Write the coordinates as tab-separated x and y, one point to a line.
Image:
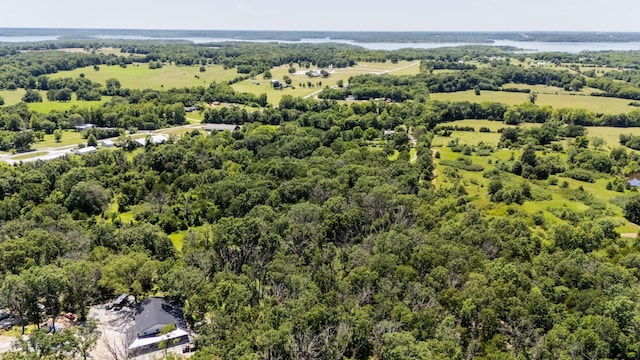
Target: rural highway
54	152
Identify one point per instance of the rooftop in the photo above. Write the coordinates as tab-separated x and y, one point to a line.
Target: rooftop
221	127
154	311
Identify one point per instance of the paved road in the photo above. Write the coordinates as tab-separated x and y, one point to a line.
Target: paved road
55	152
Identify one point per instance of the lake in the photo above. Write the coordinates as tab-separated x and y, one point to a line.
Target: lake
530	46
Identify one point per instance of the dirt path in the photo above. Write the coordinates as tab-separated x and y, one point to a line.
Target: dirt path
629	235
400	68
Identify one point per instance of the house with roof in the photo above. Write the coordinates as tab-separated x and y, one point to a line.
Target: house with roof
155	139
86	150
108	143
158	324
222	127
83	127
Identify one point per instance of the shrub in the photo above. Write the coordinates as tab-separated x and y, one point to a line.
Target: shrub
580	175
474	167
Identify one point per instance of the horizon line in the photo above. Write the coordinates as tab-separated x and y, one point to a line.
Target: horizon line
328	31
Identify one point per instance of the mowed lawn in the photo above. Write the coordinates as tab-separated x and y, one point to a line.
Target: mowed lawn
69	137
259	85
475	137
562	99
139	76
12	97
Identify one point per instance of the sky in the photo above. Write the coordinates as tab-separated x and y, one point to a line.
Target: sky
329	15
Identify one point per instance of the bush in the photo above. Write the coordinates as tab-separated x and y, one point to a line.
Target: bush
474	167
580	175
453	164
485	130
538	218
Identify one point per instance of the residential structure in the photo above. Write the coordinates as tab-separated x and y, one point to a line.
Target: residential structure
222	127
158	324
86	150
155	139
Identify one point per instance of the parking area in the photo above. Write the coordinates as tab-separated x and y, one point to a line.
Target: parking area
114	340
113	326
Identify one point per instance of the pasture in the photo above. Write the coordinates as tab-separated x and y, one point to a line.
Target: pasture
258	85
547	196
139	76
69	137
12	97
611	135
595	104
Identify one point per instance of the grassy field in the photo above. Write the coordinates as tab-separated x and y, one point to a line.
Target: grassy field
476	188
139	76
476	137
476	184
69	137
12	97
177	239
258	85
29	155
611	135
561	100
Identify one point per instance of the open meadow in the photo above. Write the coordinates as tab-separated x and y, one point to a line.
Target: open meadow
546	196
258	85
139	76
562	99
12	97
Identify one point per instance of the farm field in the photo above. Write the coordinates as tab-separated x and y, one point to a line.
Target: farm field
139	76
12	97
611	135
258	85
592	103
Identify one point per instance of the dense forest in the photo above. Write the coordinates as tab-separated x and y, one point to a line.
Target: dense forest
317	230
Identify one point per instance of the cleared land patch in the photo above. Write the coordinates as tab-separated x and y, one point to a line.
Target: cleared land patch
595	104
139	76
299	81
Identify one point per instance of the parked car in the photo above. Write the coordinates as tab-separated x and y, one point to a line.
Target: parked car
121	301
9	322
71	316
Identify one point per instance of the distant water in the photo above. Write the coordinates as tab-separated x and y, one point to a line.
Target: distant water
532	46
16	39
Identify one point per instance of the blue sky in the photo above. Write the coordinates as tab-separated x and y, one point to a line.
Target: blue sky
354	15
